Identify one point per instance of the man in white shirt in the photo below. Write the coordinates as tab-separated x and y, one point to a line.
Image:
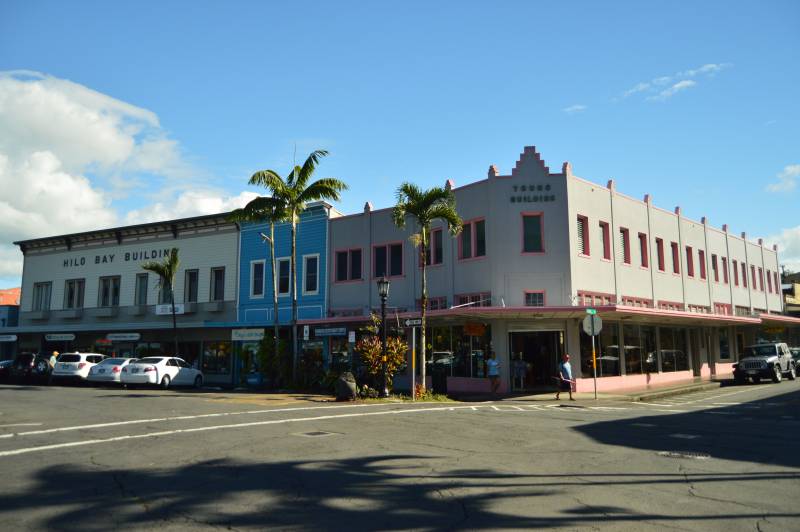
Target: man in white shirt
565	380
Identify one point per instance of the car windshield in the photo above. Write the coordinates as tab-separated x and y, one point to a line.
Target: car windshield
149	360
759	351
113	361
69	358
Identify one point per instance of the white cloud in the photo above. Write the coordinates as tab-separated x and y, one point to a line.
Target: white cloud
788	241
678	81
573	109
189	203
787	179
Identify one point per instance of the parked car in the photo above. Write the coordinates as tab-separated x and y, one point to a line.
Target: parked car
765	361
5	370
163	371
795	356
74	366
30	367
109	370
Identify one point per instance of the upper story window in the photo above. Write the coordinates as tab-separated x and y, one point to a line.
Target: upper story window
714	268
753	275
190	284
769	282
388	260
348	265
744	275
434	252
605	235
583	236
481	299
140	293
760	279
676	258
644	257
735	268
257	278
660	254
689	262
73	293
310	274
533	233
472	240
625	244
777	285
701	258
218	284
534	299
108	295
284	276
41	296
725	270
434	303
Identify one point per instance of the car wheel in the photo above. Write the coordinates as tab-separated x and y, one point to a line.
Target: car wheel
165	382
776	374
739	380
792	372
756	379
198	381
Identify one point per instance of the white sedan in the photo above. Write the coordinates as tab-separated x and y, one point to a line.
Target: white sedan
163	371
109	370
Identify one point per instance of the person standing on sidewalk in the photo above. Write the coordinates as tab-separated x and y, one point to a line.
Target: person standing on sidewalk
565	377
493	371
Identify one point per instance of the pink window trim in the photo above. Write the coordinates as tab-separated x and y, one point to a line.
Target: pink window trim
388	259
660	252
725	270
584	221
715	267
604	228
543	292
689	262
540	214
735	267
645	256
472	222
701	258
603	298
676	258
430	240
769	281
481	295
744	275
761	279
753	275
626	251
335	266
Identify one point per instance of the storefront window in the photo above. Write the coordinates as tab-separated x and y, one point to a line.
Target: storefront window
640	349
217	357
608	352
341	359
463	348
724	345
145	349
674	356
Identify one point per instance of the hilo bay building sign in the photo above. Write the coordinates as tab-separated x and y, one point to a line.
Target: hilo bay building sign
532	194
128	256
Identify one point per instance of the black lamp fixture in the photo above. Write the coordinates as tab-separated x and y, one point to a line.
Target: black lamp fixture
383	292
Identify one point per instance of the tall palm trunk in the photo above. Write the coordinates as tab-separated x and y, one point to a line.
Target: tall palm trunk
174	319
424	308
293	264
275	326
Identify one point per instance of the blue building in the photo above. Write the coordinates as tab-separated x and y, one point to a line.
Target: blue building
9	317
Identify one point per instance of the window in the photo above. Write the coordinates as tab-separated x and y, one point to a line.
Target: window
310	274
532	233
140	295
689	262
482	299
625	245
701	258
725	270
433	251
472	241
606	238
645	260
191	282
753	275
583	237
744	275
714	268
534	299
660	252
109	292
348	265
41	296
760	279
389	260
735	273
777	285
284	276
163	294
73	293
769	282
676	260
257	278
434	303
217	284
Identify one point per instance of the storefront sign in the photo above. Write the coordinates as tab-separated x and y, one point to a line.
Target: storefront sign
8	337
59	337
532	193
474	329
351	337
166	310
330	331
123	337
247	335
144	254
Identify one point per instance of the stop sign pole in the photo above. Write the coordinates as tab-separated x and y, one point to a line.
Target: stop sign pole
592	325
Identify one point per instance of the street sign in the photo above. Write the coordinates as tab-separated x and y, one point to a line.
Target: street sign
592	325
413	322
306	332
351	337
591	311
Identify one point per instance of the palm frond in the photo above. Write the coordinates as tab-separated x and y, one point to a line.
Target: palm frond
263	209
166	269
309	167
269	179
327	188
448	213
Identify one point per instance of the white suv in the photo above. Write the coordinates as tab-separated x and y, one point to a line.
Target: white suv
74	366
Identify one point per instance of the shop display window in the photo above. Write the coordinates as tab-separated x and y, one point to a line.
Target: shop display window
673	351
640	349
217	357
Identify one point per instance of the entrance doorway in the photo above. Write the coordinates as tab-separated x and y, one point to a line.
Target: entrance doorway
534	359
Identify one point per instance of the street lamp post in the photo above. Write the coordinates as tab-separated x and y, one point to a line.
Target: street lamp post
383	291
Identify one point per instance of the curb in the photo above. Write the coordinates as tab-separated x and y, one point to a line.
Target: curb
675	391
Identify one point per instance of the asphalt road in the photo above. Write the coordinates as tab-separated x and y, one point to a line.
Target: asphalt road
97	459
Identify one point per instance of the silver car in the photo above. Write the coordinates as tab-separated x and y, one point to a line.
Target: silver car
109	370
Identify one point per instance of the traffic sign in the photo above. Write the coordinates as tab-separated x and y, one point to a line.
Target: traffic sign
413	322
592	325
591	311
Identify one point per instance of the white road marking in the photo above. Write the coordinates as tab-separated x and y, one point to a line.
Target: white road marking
725	404
21	425
684	436
495	408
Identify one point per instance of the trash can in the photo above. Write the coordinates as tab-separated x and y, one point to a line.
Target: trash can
439	378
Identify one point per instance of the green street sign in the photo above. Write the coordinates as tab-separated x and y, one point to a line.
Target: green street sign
591	311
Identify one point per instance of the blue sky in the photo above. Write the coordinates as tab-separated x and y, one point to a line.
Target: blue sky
204	93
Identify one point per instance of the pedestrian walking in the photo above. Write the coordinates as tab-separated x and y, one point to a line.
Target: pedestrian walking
53	359
565	380
493	370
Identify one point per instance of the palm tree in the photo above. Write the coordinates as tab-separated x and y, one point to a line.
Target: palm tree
294	193
167	270
424	207
270	211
